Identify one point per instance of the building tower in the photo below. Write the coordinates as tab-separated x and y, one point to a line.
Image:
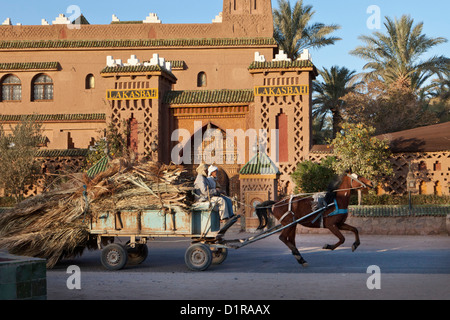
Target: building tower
245	17
283	109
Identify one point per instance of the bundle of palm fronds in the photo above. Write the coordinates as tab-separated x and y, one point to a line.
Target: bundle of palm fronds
54	224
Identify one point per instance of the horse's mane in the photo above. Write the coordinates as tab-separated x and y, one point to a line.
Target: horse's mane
332	187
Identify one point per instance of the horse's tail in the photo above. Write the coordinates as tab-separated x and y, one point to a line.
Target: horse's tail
261	212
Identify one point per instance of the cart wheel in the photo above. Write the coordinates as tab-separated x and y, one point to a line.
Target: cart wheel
198	257
138	254
114	256
219	255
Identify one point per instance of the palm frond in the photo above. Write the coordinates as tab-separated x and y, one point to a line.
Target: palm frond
294	31
397	53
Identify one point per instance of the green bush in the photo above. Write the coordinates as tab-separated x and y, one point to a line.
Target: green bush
19	168
357	149
313	177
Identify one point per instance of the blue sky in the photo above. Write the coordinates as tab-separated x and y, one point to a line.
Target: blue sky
351	15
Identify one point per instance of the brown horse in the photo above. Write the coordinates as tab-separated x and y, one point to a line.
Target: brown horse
332	217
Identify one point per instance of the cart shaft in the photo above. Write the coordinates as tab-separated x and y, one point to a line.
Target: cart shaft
274	230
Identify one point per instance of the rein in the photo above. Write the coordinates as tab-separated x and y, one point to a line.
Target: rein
278	204
337	211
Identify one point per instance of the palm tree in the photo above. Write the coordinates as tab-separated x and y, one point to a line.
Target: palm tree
294	32
442	87
397	55
439	97
337	82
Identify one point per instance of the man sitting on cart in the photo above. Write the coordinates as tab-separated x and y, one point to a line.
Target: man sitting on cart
205	190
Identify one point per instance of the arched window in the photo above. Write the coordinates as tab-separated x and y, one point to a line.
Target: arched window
42	88
438	188
90	81
422	187
201	79
11	88
283	133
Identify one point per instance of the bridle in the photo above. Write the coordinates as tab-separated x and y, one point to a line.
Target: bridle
354	177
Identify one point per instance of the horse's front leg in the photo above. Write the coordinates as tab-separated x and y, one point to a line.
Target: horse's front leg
347	227
287	236
335	230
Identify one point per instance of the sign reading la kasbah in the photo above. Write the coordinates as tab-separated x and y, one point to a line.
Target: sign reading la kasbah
132	94
281	90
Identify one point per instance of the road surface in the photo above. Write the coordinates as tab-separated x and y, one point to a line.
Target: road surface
383	267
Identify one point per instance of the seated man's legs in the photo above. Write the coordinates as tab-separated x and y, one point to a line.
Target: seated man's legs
221	205
229	205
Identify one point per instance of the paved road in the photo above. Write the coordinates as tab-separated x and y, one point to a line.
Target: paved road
412	267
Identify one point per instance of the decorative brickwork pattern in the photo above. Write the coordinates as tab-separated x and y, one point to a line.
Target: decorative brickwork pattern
160	43
431	170
144	107
56	162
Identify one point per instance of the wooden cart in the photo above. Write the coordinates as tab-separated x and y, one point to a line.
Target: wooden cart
201	224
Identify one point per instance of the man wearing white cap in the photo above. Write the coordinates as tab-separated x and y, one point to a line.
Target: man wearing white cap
205	190
212	181
202	189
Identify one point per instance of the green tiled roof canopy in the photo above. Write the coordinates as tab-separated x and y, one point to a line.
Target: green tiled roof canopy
281	64
131	69
177	64
61	153
67	44
134	69
29	66
98	167
209	96
260	164
53	117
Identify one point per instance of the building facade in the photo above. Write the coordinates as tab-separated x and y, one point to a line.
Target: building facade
170	83
192	88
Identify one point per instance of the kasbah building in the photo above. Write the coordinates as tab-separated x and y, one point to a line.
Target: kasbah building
157	78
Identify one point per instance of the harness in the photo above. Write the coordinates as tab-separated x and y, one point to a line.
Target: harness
337	210
289	210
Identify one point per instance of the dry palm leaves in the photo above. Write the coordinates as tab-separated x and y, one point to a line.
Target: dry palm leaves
54	225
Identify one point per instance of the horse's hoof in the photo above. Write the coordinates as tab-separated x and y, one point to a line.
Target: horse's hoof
327	247
303	262
355	246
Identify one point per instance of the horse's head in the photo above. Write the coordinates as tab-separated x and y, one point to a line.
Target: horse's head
359	182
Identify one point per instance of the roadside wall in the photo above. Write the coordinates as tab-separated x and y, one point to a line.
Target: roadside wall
395	220
22	278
